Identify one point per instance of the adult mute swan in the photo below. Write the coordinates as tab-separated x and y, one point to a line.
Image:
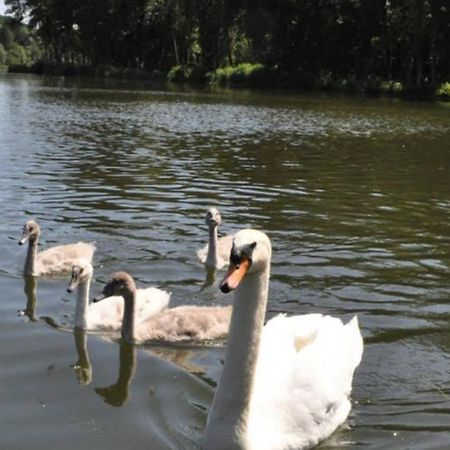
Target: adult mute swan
284	386
215	254
180	324
107	316
54	260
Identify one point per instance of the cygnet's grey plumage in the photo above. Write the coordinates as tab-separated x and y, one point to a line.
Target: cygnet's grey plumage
180	324
108	315
216	253
54	260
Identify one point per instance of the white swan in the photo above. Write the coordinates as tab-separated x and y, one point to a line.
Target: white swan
284	386
215	254
107	316
180	324
58	259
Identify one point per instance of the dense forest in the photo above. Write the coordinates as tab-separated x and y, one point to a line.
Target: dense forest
18	47
303	42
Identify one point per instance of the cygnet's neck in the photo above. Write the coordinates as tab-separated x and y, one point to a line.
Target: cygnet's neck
81	310
212	257
30	262
228	418
128	323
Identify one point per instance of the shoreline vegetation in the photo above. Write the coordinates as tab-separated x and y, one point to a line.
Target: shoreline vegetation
392	47
245	75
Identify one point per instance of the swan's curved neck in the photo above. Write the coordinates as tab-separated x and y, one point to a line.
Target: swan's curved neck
128	330
81	310
227	421
30	262
211	259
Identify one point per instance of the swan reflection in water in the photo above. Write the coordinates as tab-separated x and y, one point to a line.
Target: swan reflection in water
83	366
117	394
30	292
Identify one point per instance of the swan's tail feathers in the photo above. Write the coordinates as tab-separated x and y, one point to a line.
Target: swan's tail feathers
86	250
355	341
93	246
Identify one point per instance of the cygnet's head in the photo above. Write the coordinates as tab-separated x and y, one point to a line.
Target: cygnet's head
120	283
251	253
81	271
31	231
213	217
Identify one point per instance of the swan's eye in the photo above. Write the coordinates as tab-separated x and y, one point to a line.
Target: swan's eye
235	258
81	270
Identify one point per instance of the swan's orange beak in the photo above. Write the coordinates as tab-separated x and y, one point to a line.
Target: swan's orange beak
235	274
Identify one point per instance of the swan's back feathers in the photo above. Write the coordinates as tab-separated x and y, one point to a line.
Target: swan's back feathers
61	257
303	381
107	315
151	301
186	323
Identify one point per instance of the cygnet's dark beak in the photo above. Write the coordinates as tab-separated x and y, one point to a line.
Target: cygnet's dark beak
25	236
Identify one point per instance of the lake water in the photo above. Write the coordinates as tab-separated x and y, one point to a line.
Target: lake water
354	193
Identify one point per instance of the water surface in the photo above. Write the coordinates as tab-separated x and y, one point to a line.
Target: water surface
354	193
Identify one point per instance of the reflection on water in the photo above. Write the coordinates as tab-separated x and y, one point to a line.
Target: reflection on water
354	194
82	367
117	394
30	292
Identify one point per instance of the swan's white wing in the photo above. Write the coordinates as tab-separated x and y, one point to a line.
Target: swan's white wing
60	258
149	302
107	314
303	380
202	254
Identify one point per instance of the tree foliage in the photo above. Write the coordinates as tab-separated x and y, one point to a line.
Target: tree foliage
306	40
17	44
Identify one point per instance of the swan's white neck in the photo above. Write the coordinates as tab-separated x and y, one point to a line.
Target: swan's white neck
30	262
212	257
227	421
128	323
81	310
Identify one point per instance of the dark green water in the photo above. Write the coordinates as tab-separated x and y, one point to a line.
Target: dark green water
354	193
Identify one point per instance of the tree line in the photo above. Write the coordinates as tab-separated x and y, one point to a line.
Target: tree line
302	41
17	44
